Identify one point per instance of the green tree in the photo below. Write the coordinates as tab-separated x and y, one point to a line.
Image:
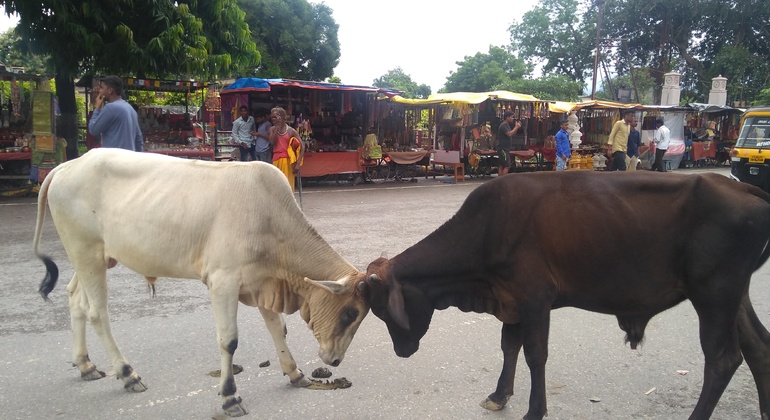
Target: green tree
763	98
397	79
13	53
552	88
333	79
700	39
297	39
144	38
560	35
483	72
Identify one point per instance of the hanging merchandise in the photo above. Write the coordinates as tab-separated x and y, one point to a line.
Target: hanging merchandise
15	99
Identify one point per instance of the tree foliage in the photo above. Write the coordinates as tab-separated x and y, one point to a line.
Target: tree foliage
552	88
484	72
700	39
397	79
559	35
297	39
144	38
14	53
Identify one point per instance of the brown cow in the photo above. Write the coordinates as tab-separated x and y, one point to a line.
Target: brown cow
549	240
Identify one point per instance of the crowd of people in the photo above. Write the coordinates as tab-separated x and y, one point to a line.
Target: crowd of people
266	138
269	138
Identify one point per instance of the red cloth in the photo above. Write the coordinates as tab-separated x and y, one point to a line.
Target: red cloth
549	154
16	156
703	149
328	163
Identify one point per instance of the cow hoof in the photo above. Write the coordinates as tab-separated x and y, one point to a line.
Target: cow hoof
135	384
92	375
302	381
233	407
491	405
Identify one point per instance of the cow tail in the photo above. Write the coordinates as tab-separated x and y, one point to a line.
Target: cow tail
52	271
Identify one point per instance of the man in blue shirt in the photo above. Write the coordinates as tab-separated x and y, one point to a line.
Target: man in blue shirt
114	119
262	144
563	151
634	141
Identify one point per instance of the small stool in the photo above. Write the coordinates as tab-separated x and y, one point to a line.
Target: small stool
457	168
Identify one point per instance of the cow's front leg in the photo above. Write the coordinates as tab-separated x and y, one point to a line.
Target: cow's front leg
277	328
224	303
78	304
535	339
510	343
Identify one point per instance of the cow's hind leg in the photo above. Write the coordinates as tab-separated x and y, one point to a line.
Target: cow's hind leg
510	343
755	345
224	303
78	304
94	285
277	328
719	341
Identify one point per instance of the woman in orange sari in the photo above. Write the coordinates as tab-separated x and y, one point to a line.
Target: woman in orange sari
288	150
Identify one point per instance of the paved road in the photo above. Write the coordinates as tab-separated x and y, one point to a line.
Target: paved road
170	340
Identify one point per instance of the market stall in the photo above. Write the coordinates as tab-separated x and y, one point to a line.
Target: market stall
701	134
331	118
173	130
26	109
460	128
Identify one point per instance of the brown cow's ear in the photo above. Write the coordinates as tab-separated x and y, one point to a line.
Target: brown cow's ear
396	306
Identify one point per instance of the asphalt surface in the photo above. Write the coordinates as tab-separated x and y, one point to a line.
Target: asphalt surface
170	340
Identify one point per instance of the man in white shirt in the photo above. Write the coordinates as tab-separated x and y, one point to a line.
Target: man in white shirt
661	139
242	128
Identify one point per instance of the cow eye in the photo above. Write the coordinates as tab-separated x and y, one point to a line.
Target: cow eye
348	316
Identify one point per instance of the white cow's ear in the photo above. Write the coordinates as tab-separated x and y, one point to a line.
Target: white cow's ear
331	286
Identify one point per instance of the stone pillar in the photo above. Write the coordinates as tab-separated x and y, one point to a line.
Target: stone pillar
574	130
671	89
718	93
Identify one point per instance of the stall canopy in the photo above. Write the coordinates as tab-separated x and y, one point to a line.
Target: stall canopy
599	104
252	84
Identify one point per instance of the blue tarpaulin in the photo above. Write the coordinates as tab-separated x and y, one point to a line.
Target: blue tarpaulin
251	84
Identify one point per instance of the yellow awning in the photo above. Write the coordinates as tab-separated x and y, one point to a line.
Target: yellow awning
406	101
596	103
561	107
479	97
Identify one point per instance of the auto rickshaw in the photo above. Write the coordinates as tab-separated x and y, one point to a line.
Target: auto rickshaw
750	158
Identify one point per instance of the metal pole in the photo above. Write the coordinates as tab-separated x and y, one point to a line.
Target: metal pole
299	187
599	5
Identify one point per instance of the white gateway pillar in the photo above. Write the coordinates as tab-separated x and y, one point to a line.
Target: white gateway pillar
718	93
671	89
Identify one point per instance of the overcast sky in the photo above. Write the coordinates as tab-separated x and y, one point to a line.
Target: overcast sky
424	37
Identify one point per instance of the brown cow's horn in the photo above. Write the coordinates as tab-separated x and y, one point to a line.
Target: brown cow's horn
374	278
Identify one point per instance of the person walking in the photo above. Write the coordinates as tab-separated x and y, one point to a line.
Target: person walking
634	141
262	149
618	142
288	150
563	151
661	139
243	126
505	142
114	119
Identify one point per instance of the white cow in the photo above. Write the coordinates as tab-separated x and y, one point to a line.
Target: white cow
234	226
